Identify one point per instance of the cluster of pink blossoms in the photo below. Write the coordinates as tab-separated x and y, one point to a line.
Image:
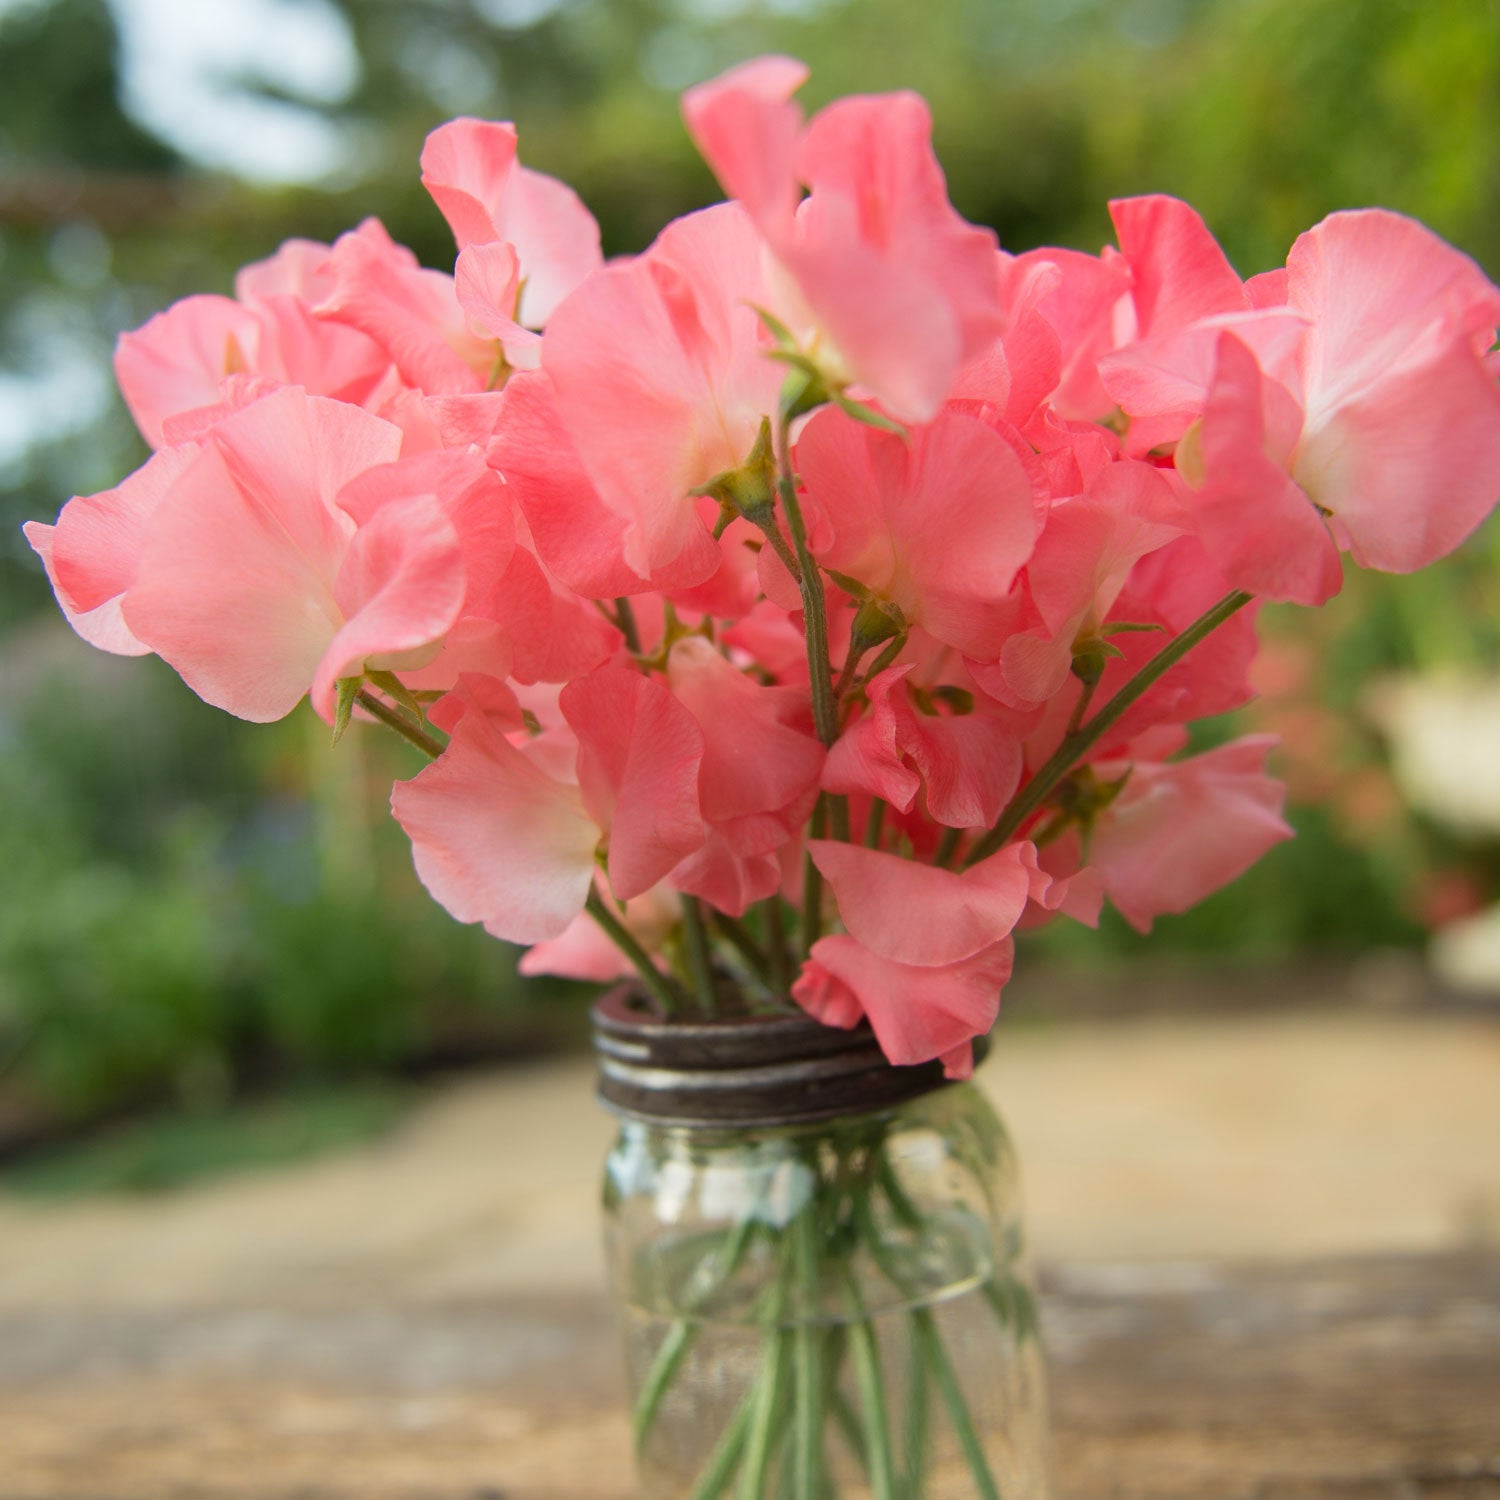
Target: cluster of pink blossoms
777	569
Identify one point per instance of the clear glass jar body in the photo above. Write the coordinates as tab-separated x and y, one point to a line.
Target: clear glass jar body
828	1311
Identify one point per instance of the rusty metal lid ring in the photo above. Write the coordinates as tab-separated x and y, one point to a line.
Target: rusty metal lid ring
745	1071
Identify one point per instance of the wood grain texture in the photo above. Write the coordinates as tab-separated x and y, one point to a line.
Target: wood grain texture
1368	1379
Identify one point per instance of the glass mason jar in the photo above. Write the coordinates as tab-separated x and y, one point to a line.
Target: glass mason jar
819	1265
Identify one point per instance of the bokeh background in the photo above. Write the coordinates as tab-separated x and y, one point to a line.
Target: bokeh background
212	949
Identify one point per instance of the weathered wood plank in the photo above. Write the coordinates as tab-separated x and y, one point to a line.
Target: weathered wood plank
1354	1380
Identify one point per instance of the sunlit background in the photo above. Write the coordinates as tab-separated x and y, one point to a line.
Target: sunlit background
199	915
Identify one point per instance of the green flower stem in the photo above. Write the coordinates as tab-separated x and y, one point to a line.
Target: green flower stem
625	619
700	965
662	988
948	846
916	1425
769	1389
719	1469
743	943
777	949
931	1343
1082	740
814	605
812	880
807	1431
684	1330
393	718
866	1350
925	1337
874	823
848	1423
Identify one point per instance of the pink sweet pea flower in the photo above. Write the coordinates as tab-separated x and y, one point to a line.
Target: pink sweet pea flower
917	1012
1082	559
927	950
1352	410
576	534
1251	515
413	314
968	764
508	834
92	553
675	393
584	950
1401	435
178	362
175	362
919	914
761	764
1181	830
257	587
938	524
877	231
639	758
470	168
495	838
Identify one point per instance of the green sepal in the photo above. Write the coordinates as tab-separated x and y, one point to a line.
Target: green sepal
775	327
750	489
802	391
1128	627
958	699
851	586
875	620
346	690
393	687
867	414
1090	657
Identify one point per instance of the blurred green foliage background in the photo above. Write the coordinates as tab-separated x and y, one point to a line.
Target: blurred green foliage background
192	908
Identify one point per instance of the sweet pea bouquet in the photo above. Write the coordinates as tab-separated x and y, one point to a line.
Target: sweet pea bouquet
793	611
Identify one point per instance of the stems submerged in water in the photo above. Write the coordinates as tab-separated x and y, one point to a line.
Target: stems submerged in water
851	1373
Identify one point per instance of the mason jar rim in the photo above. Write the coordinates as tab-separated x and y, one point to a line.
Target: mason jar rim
746	1071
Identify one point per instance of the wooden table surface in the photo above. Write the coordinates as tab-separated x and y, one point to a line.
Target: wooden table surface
1271	1252
1349	1379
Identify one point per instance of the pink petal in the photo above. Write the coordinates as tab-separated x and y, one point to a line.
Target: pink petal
746	127
676	393
176	361
639	753
412	313
470	168
494	839
467	166
1178	272
919	914
576	534
400	587
760	754
486	282
1182	830
235	583
103	626
917	1013
1256	523
939	524
97	544
869	755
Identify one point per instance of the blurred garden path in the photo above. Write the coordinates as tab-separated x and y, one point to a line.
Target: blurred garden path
1319	1133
